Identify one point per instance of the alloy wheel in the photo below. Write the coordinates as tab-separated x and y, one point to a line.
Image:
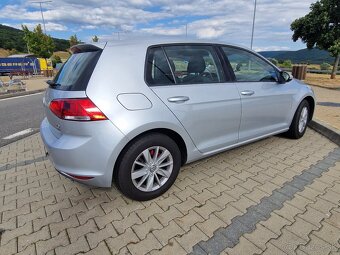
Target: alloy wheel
303	119
152	168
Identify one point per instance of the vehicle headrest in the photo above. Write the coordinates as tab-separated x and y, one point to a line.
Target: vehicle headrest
196	64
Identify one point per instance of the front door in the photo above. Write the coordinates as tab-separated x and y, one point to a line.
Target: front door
266	104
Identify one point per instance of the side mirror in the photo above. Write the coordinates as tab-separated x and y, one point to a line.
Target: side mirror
284	77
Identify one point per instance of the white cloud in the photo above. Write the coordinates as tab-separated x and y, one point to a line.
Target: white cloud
50	26
226	20
164	31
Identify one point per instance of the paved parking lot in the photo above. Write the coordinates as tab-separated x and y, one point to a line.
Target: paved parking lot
276	196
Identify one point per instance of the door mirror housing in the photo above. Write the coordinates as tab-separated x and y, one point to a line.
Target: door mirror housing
284	77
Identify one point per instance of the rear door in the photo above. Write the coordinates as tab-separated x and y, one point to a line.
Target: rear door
266	104
190	80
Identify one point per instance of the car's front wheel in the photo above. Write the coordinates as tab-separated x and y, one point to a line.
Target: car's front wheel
299	124
148	167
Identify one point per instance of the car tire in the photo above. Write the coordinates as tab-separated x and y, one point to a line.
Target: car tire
144	171
300	121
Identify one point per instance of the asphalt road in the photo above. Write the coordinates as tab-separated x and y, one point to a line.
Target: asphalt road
20	114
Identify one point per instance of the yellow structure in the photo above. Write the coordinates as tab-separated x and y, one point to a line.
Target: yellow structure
45	64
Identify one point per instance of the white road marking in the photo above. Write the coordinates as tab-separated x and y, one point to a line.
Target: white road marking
20	133
21	96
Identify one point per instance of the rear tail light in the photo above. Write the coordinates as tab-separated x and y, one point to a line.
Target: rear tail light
81	177
79	109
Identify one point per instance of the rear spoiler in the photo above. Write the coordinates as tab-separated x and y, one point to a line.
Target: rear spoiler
79	48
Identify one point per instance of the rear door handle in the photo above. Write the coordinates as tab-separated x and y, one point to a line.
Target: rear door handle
178	99
247	93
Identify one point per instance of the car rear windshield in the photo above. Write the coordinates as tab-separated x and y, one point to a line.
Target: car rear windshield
75	74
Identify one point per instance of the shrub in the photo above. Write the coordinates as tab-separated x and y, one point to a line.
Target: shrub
325	66
287	64
274	61
55	59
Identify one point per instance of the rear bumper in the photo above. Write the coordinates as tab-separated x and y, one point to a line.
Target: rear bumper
87	155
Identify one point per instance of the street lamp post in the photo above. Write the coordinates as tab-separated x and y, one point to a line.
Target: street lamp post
42	14
252	31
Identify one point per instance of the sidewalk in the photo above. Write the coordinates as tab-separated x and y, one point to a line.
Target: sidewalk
36	83
33	85
328	106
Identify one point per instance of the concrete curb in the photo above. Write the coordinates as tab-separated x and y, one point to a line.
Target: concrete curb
320	86
331	133
21	93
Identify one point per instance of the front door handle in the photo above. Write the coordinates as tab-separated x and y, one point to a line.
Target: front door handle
178	99
247	93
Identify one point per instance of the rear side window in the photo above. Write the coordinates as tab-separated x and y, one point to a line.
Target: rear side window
75	74
193	64
183	64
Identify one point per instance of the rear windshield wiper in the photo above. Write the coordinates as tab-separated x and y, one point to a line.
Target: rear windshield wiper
52	84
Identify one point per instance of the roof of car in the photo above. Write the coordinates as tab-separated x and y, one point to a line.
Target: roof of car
156	41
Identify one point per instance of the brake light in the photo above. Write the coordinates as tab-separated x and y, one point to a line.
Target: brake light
79	109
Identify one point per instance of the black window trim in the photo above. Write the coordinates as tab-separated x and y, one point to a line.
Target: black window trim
168	61
214	46
227	69
230	69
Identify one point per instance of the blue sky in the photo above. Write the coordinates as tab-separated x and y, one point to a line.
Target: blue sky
222	20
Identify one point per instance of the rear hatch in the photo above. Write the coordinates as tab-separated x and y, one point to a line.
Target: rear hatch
65	100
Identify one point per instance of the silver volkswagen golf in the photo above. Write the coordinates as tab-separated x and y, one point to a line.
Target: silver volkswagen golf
136	112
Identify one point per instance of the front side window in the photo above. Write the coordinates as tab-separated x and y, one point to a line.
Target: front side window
248	67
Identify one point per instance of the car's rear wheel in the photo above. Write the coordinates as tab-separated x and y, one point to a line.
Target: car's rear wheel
148	167
300	121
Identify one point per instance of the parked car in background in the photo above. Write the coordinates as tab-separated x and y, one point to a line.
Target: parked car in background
136	112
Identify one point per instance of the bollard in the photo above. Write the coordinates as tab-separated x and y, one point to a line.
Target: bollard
299	72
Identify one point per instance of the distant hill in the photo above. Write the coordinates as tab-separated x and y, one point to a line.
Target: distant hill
12	38
313	56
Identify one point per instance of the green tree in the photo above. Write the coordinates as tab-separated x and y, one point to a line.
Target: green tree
40	44
321	28
95	39
74	40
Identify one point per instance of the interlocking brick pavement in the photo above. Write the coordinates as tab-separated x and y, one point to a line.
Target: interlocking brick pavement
275	196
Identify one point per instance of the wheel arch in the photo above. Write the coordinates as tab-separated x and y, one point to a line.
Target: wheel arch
311	103
165	131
